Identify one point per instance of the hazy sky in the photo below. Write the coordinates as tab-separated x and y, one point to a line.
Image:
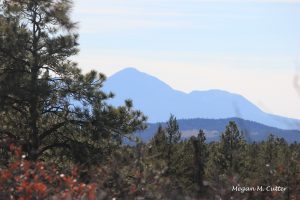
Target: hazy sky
249	47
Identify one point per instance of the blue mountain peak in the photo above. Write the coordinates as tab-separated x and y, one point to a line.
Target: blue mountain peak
158	100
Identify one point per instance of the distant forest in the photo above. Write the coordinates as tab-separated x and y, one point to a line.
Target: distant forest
213	128
60	139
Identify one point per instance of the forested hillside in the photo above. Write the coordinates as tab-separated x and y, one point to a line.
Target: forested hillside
60	139
252	131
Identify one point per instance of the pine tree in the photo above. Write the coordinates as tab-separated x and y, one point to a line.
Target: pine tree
232	146
191	161
46	102
159	142
200	157
173	137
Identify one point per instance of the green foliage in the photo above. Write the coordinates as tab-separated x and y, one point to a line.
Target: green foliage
57	114
200	158
173	136
46	102
172	130
207	171
232	147
158	144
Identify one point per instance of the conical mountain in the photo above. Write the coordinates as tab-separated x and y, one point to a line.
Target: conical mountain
157	100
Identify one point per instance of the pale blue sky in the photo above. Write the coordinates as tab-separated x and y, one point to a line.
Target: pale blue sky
243	46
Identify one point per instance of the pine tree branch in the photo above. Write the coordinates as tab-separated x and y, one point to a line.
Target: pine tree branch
52	129
9	54
3	131
64	145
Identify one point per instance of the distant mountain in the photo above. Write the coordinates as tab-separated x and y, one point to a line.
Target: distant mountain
252	131
157	100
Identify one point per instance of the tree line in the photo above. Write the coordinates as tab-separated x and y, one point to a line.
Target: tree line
53	114
215	169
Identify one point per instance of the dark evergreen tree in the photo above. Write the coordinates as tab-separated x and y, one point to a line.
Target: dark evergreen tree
251	168
190	162
46	102
159	143
232	147
200	158
268	159
173	135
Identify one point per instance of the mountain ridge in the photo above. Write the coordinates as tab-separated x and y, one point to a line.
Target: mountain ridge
157	100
